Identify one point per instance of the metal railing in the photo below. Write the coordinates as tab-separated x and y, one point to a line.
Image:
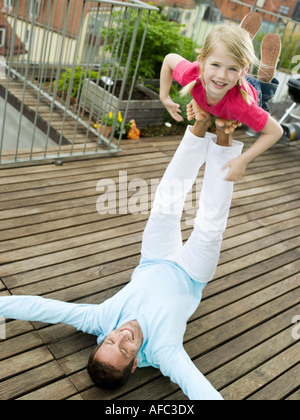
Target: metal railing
61	62
65	67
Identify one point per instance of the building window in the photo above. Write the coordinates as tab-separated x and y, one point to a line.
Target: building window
9	4
260	3
2	37
284	10
34	8
175	14
296	14
29	35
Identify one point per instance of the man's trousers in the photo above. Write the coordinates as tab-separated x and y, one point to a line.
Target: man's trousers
162	237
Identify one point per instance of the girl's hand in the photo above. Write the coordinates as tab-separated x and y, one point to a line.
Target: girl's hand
172	108
237	169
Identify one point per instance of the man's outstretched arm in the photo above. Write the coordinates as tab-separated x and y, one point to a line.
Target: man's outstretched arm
34	308
181	370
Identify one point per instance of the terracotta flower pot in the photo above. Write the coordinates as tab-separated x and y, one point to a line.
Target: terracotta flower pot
105	130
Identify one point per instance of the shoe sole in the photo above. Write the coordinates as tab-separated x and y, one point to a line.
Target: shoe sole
252	23
270	52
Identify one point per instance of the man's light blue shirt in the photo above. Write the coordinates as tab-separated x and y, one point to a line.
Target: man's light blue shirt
160	296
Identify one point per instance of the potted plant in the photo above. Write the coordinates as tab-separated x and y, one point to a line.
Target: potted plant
130	129
104	126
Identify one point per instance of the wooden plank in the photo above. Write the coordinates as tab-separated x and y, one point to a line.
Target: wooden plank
20	344
77	178
83	263
99	224
250	360
90	217
295	396
28	381
15	328
68	255
59	390
214	331
25	361
242	346
71	344
54	193
84	170
87	199
75	241
54	243
226	361
37	262
244	289
257	257
266	373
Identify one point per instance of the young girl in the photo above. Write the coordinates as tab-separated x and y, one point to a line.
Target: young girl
217	81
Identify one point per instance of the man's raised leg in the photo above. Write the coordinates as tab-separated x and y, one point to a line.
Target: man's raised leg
162	237
200	255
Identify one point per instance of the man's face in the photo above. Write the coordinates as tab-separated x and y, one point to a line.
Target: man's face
121	346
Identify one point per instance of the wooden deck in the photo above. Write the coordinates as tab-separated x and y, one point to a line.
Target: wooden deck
54	243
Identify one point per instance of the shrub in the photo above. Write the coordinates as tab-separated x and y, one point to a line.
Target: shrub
163	37
78	78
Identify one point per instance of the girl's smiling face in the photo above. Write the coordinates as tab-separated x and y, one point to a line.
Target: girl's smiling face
220	73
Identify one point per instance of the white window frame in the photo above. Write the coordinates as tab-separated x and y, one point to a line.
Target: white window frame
34	8
28	35
2	37
9	4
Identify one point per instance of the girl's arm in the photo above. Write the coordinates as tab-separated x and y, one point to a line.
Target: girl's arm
270	135
166	79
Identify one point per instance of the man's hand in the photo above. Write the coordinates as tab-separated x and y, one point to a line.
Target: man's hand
172	108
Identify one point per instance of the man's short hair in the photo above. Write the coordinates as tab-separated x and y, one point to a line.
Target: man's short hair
105	375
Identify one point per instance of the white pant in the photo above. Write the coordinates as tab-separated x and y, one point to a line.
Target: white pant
162	237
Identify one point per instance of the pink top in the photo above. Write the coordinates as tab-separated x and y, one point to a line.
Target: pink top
231	107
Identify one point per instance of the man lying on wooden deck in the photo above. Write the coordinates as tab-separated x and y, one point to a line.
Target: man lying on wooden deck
144	323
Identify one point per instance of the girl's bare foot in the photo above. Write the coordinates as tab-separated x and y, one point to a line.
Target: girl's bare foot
227	126
203	119
195	112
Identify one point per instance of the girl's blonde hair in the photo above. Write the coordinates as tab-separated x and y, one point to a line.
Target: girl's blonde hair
238	44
